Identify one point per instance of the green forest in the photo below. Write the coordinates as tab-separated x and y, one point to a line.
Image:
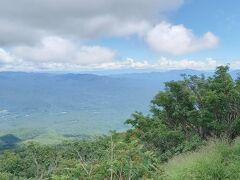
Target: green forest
190	132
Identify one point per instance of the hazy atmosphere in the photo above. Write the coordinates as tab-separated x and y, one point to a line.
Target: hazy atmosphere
119	89
79	35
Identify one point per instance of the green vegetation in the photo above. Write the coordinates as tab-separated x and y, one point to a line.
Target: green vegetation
217	160
190	111
191	133
104	157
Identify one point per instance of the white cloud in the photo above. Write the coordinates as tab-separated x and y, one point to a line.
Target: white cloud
177	39
59	50
62	55
56	53
125	64
5	57
46	36
28	21
162	64
187	64
235	64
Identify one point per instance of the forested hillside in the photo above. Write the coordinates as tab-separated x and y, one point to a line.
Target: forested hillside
191	132
50	107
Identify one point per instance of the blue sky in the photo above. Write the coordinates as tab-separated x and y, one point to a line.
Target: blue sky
79	35
220	17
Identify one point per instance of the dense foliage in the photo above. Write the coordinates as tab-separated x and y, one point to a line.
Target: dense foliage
105	158
217	160
183	117
189	111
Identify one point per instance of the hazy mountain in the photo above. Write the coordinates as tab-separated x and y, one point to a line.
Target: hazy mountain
73	104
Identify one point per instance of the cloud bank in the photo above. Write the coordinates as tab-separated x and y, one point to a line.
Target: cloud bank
28	21
177	39
58	54
50	34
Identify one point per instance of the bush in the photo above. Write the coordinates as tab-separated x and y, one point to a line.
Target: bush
217	160
193	107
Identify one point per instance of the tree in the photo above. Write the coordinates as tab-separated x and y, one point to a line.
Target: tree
193	107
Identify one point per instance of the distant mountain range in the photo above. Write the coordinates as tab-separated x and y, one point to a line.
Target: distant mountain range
77	104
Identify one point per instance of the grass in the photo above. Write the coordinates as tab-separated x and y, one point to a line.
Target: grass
218	160
47	137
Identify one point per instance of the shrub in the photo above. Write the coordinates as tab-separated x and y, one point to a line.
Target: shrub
217	160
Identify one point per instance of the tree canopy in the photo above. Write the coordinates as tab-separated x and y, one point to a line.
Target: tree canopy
182	117
195	108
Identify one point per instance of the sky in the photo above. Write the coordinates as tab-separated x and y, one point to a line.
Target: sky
81	35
